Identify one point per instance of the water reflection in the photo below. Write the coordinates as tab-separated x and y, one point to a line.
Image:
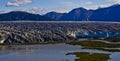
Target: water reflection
17	48
4	50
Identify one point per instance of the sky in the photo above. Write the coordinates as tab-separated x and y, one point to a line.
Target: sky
43	6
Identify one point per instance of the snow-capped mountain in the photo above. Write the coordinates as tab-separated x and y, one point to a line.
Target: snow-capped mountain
36	10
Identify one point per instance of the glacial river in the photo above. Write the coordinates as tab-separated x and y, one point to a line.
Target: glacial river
48	52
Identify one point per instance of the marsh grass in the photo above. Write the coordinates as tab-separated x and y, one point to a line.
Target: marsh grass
85	56
97	45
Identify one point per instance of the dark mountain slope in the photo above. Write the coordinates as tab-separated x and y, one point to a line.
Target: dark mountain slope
77	14
19	15
54	15
111	13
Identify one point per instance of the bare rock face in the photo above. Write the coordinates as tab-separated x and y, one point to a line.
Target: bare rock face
37	32
3	36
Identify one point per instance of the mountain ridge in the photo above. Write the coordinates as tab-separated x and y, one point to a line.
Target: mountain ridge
21	15
110	13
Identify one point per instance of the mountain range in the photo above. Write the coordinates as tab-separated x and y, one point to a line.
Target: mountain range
24	16
111	13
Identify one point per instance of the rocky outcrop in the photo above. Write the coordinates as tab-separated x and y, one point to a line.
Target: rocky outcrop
37	32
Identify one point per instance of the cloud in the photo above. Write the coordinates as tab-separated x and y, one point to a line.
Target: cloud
12	4
42	11
98	6
17	3
89	2
61	10
36	10
114	1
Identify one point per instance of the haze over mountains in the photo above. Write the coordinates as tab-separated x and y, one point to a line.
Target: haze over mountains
111	13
